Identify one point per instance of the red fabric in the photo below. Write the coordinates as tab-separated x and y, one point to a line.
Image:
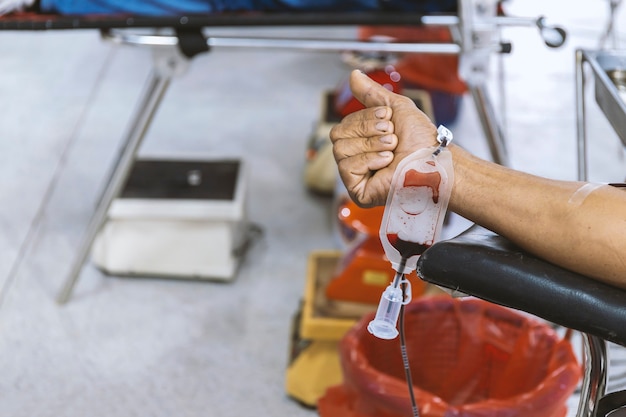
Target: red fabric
468	358
435	71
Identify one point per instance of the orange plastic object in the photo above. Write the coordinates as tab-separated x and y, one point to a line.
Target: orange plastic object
435	71
364	271
468	358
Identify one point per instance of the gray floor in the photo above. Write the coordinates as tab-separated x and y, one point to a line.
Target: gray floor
154	347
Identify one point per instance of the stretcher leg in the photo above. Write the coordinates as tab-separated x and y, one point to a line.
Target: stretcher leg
155	89
490	125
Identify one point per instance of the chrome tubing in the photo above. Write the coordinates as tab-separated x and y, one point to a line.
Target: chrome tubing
134	39
489	122
155	88
330	45
581	125
595	377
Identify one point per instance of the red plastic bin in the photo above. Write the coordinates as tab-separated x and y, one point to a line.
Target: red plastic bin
468	358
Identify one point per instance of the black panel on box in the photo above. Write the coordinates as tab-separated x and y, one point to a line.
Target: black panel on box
182	179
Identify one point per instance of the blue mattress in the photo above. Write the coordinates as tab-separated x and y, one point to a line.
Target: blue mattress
178	7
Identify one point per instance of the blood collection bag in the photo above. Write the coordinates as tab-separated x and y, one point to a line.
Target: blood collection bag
416	207
412	221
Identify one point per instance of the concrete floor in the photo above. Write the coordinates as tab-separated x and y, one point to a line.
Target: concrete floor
166	347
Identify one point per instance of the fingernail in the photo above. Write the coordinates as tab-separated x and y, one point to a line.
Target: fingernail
382	126
386	139
380	113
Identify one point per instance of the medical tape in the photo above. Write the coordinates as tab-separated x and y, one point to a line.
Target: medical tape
579	196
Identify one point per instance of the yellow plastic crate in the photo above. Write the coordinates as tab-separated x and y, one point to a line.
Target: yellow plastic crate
324	319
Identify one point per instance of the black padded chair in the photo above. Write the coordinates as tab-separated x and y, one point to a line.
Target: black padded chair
482	264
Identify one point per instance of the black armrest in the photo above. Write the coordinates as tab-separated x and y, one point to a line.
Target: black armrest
482	264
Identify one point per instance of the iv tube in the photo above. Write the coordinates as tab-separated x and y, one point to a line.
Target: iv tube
405	363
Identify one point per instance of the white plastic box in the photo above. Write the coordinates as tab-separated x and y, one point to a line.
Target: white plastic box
180	218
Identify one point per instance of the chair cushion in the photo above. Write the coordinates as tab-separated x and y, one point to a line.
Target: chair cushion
483	264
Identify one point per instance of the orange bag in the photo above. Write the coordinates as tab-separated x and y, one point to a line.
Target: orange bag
468	358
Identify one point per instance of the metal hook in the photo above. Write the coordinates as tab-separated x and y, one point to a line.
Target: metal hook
553	36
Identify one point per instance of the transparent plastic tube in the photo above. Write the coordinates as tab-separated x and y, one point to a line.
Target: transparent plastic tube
384	325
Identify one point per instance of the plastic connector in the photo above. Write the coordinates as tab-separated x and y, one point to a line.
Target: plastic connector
384	325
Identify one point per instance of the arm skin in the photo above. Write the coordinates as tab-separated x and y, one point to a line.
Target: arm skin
587	235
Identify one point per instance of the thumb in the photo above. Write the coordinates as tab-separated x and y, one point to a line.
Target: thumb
368	91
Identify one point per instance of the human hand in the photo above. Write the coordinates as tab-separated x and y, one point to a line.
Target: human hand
369	144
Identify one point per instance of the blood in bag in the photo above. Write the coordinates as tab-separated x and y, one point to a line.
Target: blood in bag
415	211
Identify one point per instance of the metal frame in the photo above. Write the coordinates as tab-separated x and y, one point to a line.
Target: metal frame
607	97
154	90
595	376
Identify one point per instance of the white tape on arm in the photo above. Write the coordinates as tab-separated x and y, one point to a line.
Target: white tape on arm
581	194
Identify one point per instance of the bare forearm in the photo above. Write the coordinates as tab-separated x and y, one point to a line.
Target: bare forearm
540	215
578	226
